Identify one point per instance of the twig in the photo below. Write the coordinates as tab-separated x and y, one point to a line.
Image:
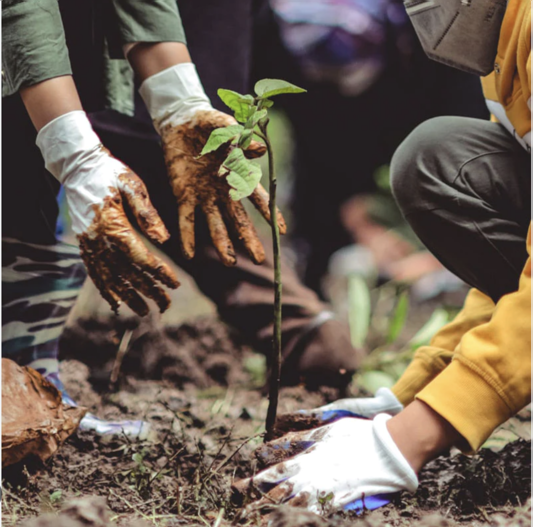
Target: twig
219	517
229	457
122	349
275	370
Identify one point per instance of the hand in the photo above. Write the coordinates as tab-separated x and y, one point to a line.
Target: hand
351	464
383	402
96	184
184	118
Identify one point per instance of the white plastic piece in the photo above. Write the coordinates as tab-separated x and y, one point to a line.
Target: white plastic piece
173	96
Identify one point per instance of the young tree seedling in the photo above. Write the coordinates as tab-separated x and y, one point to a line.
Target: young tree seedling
243	176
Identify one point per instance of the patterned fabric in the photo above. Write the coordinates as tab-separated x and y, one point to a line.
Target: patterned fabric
40	284
344	42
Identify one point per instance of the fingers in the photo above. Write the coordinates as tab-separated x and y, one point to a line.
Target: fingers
260	199
147	217
90	258
186	223
112	286
219	235
128	294
129	243
267	480
288	446
245	230
255	150
143	283
278	495
118	281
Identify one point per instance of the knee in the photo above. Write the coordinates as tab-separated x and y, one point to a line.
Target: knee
414	164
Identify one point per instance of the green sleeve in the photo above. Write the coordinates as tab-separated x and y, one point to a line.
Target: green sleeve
144	21
33	44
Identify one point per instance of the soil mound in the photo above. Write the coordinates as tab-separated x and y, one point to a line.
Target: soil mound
202	353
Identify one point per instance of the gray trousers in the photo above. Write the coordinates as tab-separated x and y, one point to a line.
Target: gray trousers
464	185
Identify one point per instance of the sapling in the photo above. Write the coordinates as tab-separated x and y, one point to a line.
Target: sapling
243	177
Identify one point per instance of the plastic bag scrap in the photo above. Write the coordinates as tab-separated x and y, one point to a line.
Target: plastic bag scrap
34	420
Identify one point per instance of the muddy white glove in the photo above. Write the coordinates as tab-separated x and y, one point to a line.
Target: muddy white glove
95	186
184	118
383	402
351	464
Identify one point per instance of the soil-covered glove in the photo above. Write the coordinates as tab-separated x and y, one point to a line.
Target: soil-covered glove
184	118
352	464
383	402
95	186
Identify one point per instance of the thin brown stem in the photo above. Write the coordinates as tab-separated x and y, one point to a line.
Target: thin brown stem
275	370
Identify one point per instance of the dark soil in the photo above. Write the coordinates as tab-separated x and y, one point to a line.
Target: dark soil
202	354
194	384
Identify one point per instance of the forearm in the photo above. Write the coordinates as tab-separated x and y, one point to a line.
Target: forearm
49	99
421	434
148	59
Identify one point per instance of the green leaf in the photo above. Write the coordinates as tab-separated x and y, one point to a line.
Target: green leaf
324	498
399	317
56	496
439	318
270	87
242	105
246	139
265	103
359	307
243	175
373	380
252	122
138	458
221	136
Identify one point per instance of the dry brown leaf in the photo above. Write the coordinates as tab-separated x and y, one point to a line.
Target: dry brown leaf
34	419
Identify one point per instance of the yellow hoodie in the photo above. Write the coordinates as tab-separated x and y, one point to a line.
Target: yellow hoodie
508	88
476	372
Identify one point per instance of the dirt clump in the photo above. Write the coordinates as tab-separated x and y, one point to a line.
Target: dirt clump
470	487
202	353
294	422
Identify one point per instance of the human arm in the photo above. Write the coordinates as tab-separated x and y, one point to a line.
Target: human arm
490	375
96	185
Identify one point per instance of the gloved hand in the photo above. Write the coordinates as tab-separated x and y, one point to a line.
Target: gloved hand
383	402
95	185
184	118
352	464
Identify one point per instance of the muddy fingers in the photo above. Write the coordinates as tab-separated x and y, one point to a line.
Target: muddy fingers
143	283
118	281
149	221
90	254
186	211
246	231
255	150
219	234
259	198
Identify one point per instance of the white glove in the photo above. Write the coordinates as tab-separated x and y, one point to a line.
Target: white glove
174	96
184	118
383	402
95	184
350	464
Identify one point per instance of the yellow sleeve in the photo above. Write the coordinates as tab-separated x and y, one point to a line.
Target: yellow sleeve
430	360
489	378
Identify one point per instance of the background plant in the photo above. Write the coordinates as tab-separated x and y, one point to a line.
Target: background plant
243	176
